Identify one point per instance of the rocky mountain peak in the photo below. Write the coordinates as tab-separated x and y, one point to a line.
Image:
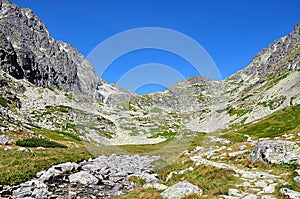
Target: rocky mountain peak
29	52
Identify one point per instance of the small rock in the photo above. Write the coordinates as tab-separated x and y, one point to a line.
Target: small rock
297	179
3	139
234	154
23	149
155	185
242	147
270	189
46	175
6	148
180	190
250	196
234	192
65	167
260	184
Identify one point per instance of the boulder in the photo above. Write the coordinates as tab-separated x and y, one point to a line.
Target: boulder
83	177
276	151
180	190
288	193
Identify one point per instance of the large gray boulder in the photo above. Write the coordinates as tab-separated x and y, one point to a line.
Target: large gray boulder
180	190
276	151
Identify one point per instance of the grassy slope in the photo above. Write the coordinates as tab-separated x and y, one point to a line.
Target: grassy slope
284	121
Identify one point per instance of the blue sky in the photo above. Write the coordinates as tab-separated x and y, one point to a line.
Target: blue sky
231	31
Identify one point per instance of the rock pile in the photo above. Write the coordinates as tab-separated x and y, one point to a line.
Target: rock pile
101	177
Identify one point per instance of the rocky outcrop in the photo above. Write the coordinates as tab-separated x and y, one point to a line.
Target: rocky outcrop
27	51
97	178
276	151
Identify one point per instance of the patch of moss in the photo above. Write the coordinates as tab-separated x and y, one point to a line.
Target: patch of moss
136	180
3	102
156	110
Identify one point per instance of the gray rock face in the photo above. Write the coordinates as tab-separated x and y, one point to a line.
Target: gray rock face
180	190
3	139
276	151
27	51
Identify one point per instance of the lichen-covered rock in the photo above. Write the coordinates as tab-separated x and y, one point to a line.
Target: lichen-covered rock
180	190
276	151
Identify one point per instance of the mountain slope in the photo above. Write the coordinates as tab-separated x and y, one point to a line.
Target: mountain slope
52	75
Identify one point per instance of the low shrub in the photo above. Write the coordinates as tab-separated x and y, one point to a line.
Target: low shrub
37	142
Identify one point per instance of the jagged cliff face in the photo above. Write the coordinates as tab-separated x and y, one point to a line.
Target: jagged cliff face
29	54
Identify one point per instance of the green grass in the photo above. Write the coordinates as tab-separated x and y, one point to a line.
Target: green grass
136	180
239	112
58	135
19	167
278	123
37	142
234	137
211	180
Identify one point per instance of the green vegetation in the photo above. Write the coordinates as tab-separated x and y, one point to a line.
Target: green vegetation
131	107
19	167
16	37
211	180
136	180
65	109
57	135
197	85
291	101
234	137
233	91
156	110
239	112
278	123
3	102
50	88
60	108
37	142
200	98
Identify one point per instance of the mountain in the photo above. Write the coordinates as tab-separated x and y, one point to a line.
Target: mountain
29	52
235	138
48	84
